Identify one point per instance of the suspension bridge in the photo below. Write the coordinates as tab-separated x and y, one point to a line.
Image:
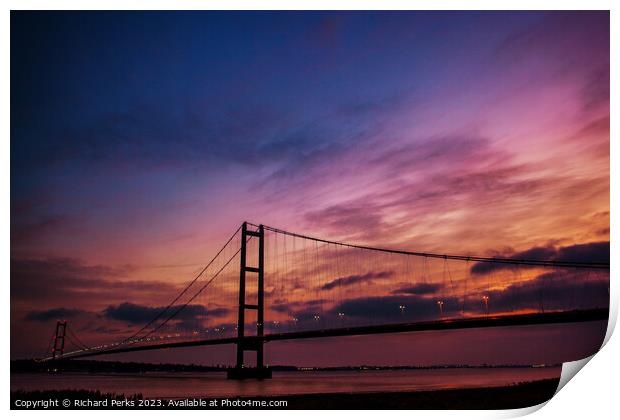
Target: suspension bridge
267	284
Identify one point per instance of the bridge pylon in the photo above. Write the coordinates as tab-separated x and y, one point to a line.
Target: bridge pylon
251	343
59	338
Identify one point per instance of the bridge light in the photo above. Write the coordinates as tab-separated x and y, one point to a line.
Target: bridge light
316	317
340	314
402	308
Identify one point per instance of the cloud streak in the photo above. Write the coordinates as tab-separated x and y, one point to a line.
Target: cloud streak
54	314
356	279
419	289
66	280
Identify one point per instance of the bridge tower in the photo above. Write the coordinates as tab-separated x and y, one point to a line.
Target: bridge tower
251	343
59	338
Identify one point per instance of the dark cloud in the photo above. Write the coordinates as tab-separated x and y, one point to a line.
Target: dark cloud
61	281
418	289
358	278
314	302
308	154
149	135
594	252
556	290
597	252
536	253
53	314
206	139
281	307
387	308
102	329
218	312
297	307
140	314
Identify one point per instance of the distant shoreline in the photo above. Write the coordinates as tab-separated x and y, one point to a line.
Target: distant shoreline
98	366
520	395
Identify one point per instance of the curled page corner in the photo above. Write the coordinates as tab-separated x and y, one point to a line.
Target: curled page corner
570	369
613	317
519	412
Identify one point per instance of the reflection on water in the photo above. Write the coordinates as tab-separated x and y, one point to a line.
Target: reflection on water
212	384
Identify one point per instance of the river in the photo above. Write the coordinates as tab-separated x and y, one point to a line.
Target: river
215	384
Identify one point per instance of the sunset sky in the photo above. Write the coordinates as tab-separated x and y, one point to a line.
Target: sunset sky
141	141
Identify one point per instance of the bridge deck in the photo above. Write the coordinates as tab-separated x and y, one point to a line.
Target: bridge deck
446	324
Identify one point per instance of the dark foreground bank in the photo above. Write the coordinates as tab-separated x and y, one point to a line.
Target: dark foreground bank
514	396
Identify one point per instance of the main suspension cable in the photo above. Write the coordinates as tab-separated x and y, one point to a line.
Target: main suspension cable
554	263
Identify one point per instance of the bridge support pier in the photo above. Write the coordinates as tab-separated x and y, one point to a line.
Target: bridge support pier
249	373
256	343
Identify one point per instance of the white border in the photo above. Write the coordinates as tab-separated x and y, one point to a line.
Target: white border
593	394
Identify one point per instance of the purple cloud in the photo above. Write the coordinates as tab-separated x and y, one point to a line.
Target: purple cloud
54	314
357	278
419	289
594	252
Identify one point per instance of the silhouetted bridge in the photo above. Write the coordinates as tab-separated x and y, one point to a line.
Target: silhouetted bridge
339	290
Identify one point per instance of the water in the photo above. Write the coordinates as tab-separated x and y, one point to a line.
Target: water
215	384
